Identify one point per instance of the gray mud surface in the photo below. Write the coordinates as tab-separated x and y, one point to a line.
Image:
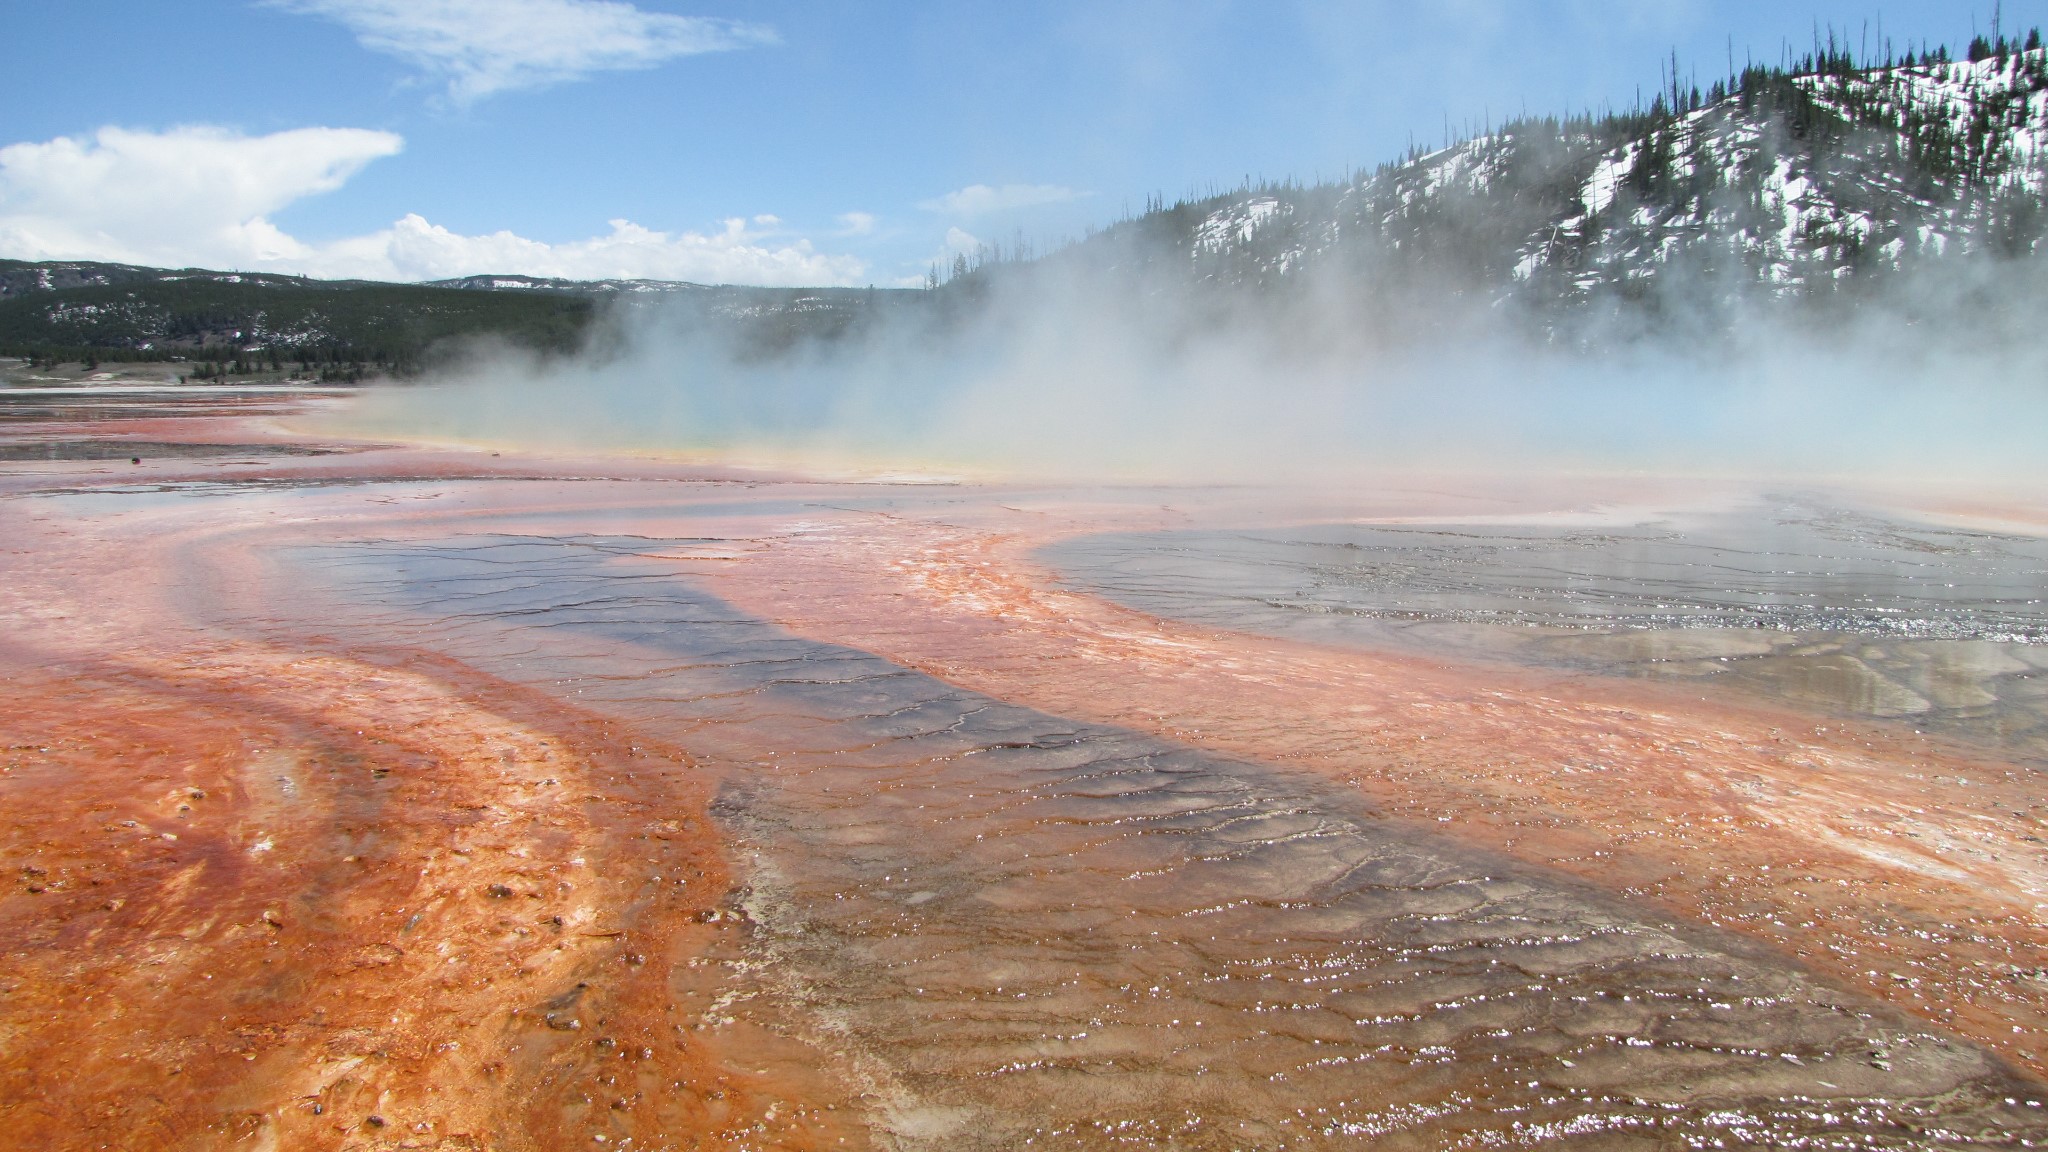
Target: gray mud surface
1942	628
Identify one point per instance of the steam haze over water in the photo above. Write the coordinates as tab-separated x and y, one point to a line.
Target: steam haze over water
1074	370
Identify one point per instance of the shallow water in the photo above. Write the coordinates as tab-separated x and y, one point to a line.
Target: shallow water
1007	929
30	406
52	450
1856	613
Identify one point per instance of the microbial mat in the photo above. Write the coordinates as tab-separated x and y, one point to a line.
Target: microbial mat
360	796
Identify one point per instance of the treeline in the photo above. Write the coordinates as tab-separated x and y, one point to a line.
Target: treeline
230	324
214	362
342	330
984	256
51	355
338	365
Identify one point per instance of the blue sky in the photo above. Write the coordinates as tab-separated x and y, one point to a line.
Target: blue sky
769	141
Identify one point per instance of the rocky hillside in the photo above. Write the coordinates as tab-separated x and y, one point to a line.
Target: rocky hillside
1786	183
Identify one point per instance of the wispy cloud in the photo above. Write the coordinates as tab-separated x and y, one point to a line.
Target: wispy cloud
856	223
204	197
486	46
983	200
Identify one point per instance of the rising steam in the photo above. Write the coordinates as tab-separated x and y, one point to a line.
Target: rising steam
1079	367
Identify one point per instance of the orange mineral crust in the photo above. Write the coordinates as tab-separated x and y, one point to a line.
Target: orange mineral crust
310	898
406	798
1869	854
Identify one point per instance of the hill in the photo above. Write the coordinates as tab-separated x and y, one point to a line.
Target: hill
1771	186
238	322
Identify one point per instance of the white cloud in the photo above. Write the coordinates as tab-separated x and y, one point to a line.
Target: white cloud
856	223
981	199
413	249
166	197
203	197
486	46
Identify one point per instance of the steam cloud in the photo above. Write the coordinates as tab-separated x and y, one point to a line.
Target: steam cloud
1099	364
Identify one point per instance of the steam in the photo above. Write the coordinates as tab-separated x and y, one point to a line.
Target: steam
1102	364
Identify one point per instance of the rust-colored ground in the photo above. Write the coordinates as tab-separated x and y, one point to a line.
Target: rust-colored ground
275	890
275	893
302	900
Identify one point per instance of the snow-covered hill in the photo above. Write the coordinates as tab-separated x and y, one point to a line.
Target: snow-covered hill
1785	182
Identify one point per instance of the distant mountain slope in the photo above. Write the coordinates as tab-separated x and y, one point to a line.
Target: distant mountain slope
19	277
113	311
516	283
824	307
116	311
1783	182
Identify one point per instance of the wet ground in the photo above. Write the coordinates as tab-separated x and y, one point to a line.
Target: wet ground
1012	927
50	399
1854	612
403	799
137	450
